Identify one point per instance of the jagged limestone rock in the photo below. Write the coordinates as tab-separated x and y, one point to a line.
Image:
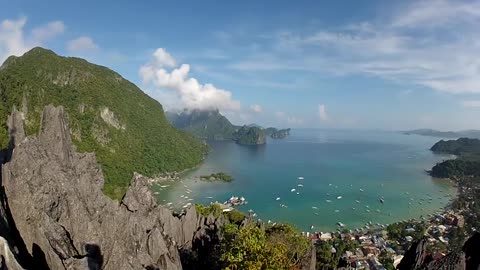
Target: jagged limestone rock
58	207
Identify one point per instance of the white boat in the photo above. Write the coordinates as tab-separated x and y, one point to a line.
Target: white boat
277	199
314	207
357	201
209	197
300	185
361	190
164	186
336	211
300	178
340	224
339	197
298	193
293	190
328	201
311	227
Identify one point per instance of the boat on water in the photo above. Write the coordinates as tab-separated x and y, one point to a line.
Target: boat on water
314	207
164	186
234	201
298	193
382	200
339	197
293	190
361	190
300	178
340	224
300	185
311	227
357	201
277	199
336	211
209	197
328	201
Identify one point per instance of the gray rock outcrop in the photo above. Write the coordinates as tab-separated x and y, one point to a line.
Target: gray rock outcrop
468	258
64	220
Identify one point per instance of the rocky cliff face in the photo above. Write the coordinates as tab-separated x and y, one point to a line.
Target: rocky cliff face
466	259
54	215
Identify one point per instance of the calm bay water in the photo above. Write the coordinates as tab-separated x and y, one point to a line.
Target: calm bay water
333	163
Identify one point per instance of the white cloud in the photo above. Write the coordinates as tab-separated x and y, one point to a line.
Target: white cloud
436	13
81	44
48	31
322	112
14	40
191	94
471	103
163	58
433	44
256	108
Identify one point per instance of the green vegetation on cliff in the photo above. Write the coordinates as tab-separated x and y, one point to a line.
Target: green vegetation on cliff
206	124
467	162
249	136
108	115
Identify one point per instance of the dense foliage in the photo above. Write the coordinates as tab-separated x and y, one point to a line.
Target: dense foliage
251	247
221	176
206	124
249	136
455	168
131	135
206	210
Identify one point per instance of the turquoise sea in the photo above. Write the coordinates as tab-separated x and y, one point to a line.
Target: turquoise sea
333	163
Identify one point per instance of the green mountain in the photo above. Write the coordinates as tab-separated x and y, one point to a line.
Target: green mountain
250	136
212	125
206	124
467	162
463	147
108	115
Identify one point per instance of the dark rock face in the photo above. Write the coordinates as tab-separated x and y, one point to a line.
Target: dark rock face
415	257
468	258
64	221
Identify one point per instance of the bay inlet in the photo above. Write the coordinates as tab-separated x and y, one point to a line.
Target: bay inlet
351	177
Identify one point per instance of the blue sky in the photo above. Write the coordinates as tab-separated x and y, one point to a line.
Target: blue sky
331	64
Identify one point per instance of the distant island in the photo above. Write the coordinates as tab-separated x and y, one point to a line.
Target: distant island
212	125
444	134
220	176
277	133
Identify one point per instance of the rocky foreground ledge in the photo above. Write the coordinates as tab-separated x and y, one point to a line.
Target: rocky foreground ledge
53	214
